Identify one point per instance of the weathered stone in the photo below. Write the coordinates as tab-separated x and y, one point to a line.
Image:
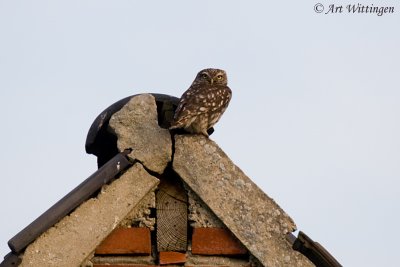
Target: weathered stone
254	262
199	213
194	260
72	240
254	218
120	260
136	128
140	215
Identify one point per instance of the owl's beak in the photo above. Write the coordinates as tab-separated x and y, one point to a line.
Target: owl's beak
212	81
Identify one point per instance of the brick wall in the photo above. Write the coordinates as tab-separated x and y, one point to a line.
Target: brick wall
207	247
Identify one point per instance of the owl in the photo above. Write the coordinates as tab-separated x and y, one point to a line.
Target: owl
203	104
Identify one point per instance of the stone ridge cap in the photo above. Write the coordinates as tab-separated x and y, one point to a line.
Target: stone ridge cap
223	179
237	170
247	211
101	121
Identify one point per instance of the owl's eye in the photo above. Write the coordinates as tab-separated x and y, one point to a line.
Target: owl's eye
219	77
204	76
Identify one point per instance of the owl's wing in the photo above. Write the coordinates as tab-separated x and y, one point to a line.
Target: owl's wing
185	113
197	101
189	107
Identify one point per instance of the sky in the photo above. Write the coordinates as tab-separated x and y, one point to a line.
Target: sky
314	118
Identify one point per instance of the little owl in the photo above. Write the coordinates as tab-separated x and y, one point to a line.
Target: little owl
203	104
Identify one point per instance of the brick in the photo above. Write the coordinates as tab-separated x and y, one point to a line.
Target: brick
171	257
215	241
124	241
244	265
143	265
124	265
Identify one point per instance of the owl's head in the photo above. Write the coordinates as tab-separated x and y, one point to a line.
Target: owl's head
211	77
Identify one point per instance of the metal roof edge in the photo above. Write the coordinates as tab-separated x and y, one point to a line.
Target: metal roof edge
68	203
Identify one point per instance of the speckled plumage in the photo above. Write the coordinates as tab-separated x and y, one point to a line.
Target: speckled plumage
203	104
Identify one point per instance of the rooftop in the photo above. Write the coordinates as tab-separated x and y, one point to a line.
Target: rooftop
140	161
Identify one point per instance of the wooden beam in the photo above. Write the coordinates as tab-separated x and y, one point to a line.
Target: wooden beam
171	205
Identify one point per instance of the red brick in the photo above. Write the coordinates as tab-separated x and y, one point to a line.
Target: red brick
124	241
124	265
245	265
215	241
170	257
143	265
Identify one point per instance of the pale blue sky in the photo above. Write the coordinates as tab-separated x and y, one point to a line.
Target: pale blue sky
314	119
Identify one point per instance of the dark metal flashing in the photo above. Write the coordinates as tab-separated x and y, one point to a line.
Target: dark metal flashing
100	123
10	260
316	253
68	203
